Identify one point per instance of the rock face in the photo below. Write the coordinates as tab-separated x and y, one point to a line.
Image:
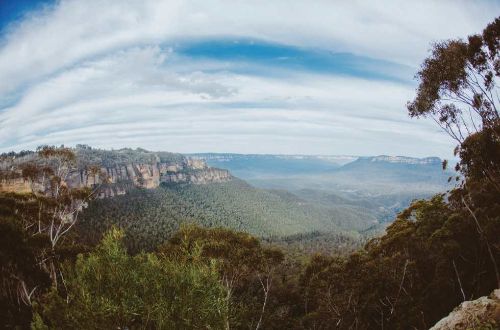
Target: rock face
17	185
482	313
205	176
118	174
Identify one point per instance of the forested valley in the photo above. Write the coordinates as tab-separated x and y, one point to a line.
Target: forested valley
177	262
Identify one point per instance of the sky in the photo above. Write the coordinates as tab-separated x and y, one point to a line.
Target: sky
280	77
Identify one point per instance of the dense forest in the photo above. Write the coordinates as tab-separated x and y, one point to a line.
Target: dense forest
436	254
150	217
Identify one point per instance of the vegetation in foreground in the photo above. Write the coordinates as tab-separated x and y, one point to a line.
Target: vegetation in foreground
436	254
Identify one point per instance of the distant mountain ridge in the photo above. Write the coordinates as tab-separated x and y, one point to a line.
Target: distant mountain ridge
336	159
404	160
250	166
396	169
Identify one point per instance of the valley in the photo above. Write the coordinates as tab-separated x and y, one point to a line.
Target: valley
304	203
380	185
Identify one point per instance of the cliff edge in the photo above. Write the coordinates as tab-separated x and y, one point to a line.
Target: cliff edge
482	313
117	172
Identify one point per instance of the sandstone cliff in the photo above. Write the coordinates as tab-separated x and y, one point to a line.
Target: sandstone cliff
118	171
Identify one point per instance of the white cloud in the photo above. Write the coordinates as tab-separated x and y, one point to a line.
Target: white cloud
74	30
133	97
99	72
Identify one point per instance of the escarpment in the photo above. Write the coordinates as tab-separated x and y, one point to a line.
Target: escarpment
115	172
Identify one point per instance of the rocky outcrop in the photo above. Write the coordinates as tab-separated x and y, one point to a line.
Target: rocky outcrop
205	176
482	313
17	185
116	178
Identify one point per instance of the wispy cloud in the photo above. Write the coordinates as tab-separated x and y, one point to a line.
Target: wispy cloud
267	76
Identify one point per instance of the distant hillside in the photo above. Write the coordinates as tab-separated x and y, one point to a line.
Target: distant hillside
369	169
395	169
258	166
384	185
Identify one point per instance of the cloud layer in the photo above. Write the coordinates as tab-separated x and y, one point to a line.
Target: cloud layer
127	74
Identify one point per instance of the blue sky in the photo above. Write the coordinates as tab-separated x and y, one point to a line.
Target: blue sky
285	57
13	10
292	77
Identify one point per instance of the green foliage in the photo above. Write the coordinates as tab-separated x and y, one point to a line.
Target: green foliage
436	254
150	217
307	244
109	288
38	324
458	83
253	275
480	156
